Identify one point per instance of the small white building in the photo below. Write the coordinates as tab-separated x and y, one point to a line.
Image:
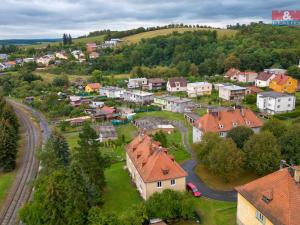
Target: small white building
45	60
198	89
27	60
273	102
140	97
232	93
263	79
136	82
78	54
61	55
246	77
173	104
177	84
112	92
275	71
96	104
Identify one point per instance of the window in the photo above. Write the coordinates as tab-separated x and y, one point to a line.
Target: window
159	184
278	100
260	217
289	105
222	134
221	125
289	99
173	182
278	106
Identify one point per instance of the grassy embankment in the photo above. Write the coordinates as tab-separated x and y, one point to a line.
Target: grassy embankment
132	39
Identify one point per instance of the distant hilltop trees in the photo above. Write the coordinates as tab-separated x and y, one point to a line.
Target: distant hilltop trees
67	39
120	34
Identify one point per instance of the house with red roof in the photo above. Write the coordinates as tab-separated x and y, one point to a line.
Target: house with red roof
263	79
283	83
272	200
152	168
92	87
222	120
176	84
247	77
232	74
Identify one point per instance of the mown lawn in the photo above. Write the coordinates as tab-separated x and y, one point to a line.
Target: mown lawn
216	212
218	183
161	114
120	195
129	131
150	34
176	148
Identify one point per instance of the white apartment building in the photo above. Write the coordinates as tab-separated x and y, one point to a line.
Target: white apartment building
198	89
136	82
232	93
140	97
112	92
273	102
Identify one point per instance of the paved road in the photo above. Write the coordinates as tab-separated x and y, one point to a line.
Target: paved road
192	176
20	191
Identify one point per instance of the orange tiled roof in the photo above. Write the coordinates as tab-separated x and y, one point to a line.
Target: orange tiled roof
94	85
281	79
225	120
231	72
108	110
282	191
153	162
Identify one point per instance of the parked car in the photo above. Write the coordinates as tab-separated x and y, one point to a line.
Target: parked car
192	187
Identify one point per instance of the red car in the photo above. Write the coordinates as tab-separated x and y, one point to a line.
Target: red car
192	187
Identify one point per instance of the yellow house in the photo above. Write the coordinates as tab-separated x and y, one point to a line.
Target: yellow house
151	167
271	200
284	83
93	87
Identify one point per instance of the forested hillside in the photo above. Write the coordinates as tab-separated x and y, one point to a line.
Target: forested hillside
255	47
9	133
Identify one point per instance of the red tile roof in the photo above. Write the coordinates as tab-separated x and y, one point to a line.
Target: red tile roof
281	79
153	162
231	72
225	120
283	193
181	80
108	110
264	76
94	85
254	89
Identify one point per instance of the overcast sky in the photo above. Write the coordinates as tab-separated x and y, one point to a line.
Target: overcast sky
51	18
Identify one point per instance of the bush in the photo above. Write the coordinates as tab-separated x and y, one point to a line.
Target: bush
170	205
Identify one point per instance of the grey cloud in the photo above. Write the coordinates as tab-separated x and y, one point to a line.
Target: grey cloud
50	18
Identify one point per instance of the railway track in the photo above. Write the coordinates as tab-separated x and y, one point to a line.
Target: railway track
20	192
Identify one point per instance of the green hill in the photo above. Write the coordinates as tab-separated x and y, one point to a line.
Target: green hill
150	34
75	40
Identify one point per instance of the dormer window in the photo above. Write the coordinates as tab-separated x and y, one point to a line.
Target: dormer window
234	124
221	126
248	122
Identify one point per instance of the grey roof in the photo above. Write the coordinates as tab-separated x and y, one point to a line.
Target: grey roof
233	87
107	131
174	99
192	115
274	94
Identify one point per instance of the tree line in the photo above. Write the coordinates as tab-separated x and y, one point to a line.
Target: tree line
254	47
9	136
243	149
70	189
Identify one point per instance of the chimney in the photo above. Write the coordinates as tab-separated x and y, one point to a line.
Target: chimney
282	163
242	112
297	174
